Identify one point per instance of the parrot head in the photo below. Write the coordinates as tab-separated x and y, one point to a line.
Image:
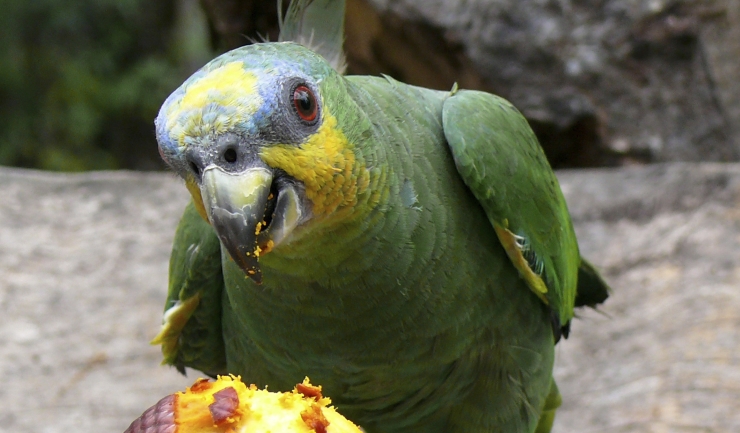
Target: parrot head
255	136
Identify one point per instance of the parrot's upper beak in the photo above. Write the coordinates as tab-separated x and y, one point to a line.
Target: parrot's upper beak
250	212
235	204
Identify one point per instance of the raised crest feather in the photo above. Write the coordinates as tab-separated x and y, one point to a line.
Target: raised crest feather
318	25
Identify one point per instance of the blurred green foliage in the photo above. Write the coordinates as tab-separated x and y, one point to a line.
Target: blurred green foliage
81	82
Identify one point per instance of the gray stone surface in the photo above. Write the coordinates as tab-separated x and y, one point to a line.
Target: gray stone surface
83	262
83	274
663	356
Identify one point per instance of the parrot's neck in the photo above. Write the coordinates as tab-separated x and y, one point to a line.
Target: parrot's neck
361	234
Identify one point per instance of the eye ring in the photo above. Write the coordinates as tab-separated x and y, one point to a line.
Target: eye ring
304	103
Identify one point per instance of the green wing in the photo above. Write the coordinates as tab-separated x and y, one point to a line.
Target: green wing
500	160
191	333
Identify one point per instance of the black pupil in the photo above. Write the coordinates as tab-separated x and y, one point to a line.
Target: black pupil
305	103
230	155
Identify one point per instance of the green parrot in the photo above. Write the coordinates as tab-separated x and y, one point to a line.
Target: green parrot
408	249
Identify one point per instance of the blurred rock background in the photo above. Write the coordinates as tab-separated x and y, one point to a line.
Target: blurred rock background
604	83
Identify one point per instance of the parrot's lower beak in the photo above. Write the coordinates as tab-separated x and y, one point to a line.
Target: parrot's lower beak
237	205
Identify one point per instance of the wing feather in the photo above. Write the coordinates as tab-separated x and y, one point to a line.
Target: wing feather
500	160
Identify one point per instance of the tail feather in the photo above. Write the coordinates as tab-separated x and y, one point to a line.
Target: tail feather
592	289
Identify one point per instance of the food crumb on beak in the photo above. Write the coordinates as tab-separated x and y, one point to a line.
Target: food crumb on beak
268	246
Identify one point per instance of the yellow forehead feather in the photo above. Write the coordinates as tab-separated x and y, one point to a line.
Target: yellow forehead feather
213	103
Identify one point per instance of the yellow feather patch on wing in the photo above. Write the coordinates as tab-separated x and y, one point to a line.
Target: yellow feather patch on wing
173	322
327	166
509	241
212	104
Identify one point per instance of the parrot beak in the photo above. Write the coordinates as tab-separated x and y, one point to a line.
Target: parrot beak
237	207
288	214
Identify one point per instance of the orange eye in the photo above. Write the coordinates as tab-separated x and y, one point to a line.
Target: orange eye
305	103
